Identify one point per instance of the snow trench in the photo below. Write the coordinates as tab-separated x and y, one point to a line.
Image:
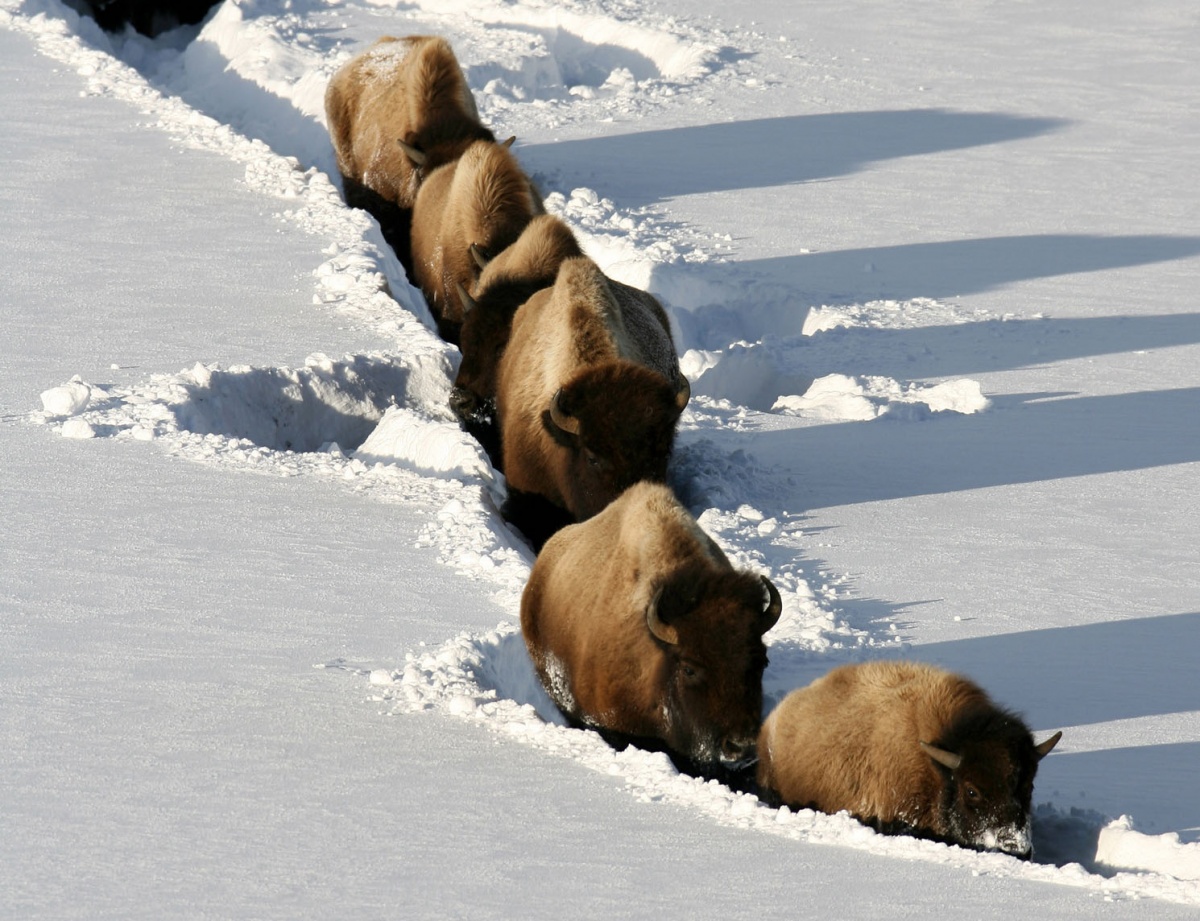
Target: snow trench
379	422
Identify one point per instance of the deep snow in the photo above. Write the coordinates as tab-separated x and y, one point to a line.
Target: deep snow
934	281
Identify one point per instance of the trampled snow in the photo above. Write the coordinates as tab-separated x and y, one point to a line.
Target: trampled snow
932	276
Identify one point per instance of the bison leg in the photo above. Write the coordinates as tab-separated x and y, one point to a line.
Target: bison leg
535	516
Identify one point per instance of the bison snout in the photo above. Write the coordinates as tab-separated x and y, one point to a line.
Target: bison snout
464	403
738	753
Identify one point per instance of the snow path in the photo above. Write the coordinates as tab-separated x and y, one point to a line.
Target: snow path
376	422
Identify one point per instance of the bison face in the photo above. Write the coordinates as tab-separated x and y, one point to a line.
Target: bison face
710	628
615	426
486	326
989	790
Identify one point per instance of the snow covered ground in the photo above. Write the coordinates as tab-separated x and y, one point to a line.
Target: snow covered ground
934	275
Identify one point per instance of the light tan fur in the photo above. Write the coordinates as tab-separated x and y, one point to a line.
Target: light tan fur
397	88
583	611
482	199
850	740
537	253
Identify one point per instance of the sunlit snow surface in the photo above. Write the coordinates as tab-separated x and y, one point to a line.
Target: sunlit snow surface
248	85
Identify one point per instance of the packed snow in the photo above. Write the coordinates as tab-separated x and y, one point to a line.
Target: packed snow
939	321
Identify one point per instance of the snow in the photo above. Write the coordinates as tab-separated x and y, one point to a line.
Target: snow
932	276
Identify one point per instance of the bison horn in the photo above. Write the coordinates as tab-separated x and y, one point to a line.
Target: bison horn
1044	748
942	757
560	417
477	254
468	302
684	393
509	143
664	632
417	156
774	606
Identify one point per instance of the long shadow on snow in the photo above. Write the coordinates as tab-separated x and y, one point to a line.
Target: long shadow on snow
1022	439
995	345
654	166
957	267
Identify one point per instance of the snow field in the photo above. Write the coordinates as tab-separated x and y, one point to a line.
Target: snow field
378	422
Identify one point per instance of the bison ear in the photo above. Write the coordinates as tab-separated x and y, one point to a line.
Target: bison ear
941	756
417	156
658	629
560	417
464	297
1045	748
773	607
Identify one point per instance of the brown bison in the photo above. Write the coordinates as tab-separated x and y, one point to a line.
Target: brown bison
396	112
587	398
472	206
505	283
906	748
639	627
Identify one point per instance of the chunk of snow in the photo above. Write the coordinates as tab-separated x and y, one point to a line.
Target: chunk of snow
67	399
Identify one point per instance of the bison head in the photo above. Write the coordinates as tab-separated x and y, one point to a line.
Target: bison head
987	760
710	628
615	423
439	142
486	326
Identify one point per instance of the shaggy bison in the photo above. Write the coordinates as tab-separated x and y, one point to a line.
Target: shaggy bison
395	113
505	283
588	397
639	627
906	748
474	205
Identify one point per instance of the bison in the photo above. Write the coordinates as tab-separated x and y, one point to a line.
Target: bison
395	113
639	627
472	206
505	283
588	395
908	749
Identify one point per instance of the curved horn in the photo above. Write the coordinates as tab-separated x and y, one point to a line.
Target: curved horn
477	254
774	606
684	393
664	632
464	297
941	756
417	156
1044	748
560	417
508	143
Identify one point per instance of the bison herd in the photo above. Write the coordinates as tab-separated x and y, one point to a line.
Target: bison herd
637	624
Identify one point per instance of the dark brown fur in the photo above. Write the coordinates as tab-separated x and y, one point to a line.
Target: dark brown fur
584	619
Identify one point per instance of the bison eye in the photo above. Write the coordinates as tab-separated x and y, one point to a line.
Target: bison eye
692	674
972	794
593	459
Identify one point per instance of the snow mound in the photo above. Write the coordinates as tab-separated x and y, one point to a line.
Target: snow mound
841	398
431	446
67	399
1122	848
